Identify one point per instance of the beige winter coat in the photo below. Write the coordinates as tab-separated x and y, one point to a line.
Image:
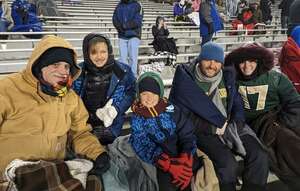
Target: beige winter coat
34	125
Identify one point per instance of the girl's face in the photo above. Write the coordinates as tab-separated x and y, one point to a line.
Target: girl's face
149	99
99	54
248	67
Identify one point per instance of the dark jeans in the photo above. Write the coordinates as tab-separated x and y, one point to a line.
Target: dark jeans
206	38
256	167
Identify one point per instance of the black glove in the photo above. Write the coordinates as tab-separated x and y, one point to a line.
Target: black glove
210	28
101	165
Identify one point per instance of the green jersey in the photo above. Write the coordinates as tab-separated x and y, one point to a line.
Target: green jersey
265	92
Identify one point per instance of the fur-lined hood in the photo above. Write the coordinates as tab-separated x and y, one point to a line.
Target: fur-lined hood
264	57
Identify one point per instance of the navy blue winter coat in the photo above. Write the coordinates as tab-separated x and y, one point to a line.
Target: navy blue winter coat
186	94
170	132
128	18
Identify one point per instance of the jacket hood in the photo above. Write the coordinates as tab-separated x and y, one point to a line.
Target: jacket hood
154	76
264	57
46	43
85	47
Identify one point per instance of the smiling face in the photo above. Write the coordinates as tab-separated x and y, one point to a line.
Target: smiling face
149	99
210	68
248	67
98	54
56	73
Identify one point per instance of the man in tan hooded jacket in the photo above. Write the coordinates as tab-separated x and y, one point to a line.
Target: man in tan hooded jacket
38	110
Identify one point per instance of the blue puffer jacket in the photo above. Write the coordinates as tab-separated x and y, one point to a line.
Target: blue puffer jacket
25	17
128	18
187	95
121	90
214	16
170	132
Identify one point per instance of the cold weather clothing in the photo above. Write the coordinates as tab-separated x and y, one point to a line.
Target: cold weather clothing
275	114
164	132
212	51
290	62
161	41
129	172
159	129
210	21
265	6
207	116
38	121
96	86
25	17
285	11
127	19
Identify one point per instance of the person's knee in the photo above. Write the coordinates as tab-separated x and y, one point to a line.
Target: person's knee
227	170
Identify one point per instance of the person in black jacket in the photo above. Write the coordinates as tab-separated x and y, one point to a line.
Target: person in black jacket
160	34
285	11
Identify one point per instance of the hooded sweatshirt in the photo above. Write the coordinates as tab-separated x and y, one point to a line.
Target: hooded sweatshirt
34	125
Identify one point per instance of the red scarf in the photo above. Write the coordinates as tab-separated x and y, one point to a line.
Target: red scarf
148	112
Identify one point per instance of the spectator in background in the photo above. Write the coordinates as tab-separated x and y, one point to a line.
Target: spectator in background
25	18
127	19
39	111
162	135
181	9
265	6
206	93
290	58
161	41
285	11
294	16
257	14
272	108
106	86
5	20
231	7
210	21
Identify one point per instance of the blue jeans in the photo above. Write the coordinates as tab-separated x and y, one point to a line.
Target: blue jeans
129	51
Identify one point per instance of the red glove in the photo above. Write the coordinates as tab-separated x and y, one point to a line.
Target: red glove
164	162
181	174
186	160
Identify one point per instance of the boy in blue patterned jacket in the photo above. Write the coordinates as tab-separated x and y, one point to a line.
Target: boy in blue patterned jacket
162	136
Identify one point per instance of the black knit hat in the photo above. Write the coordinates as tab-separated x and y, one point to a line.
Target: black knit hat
149	84
54	55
